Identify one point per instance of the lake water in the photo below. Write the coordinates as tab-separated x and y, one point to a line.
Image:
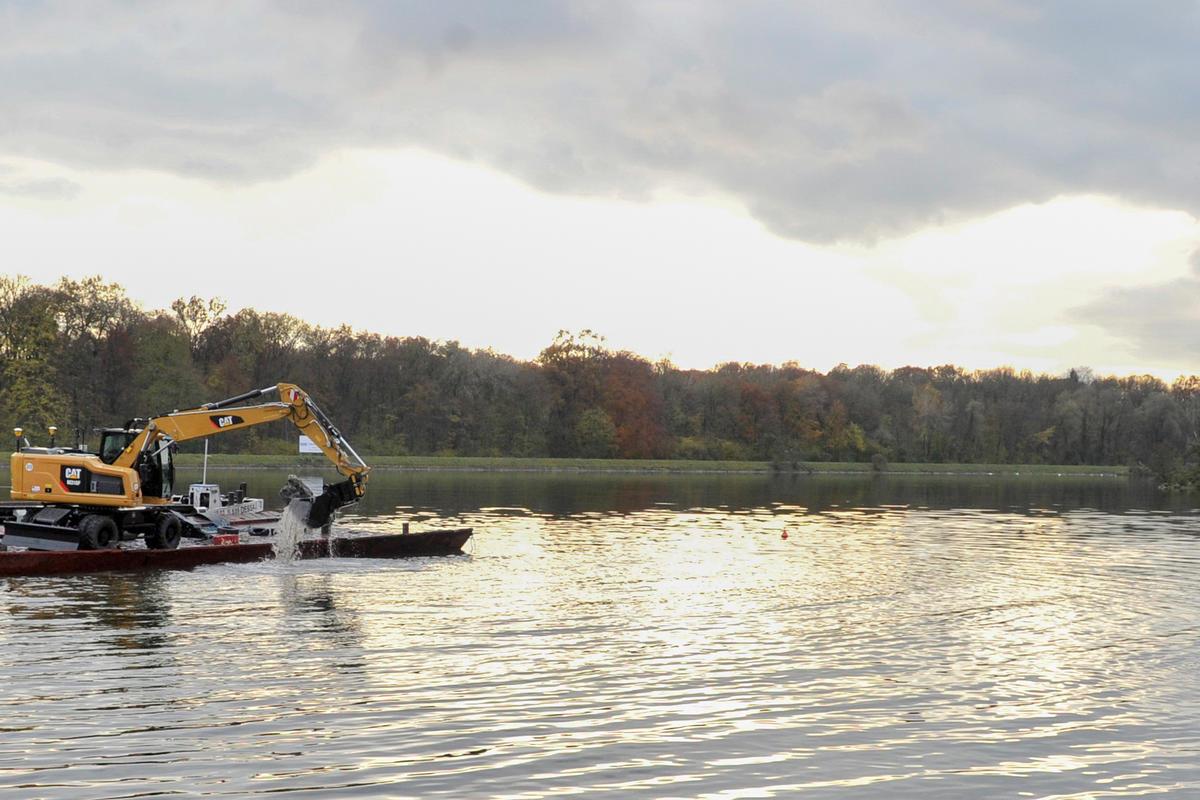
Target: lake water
639	637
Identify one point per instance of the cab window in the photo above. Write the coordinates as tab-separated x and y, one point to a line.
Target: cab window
113	443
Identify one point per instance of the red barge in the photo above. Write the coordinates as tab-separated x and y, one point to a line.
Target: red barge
398	545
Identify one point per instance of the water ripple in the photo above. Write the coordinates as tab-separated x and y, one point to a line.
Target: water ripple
675	651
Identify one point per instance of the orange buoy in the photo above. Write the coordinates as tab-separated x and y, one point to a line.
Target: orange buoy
785	534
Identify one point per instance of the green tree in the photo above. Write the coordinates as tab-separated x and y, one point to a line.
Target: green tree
88	312
29	390
929	418
595	434
574	367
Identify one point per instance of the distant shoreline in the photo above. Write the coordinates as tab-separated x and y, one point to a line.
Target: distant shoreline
633	466
195	461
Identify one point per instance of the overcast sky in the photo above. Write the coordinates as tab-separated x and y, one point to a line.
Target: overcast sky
978	182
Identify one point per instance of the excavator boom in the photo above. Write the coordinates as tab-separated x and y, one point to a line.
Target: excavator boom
233	413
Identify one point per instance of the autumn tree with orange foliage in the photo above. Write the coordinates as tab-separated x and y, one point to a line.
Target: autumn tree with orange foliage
631	397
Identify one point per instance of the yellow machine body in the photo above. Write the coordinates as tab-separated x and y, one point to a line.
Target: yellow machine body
50	475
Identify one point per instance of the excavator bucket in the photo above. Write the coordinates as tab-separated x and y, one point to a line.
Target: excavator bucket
334	497
317	509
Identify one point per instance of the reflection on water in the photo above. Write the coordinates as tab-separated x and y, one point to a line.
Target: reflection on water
1034	639
439	494
130	609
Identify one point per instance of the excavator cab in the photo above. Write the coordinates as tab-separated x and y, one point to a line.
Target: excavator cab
157	471
113	442
156	468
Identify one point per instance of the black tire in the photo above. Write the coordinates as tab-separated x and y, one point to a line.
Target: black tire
98	532
166	533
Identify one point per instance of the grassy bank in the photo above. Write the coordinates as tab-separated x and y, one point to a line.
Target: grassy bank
465	464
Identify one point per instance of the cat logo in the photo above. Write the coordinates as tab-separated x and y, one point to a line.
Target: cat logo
72	477
226	420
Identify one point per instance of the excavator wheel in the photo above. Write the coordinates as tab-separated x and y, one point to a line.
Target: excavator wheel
98	532
166	533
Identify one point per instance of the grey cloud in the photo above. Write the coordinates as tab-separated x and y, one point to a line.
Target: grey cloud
1160	322
830	121
15	183
50	189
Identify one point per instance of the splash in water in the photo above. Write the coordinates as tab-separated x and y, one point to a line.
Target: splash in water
288	532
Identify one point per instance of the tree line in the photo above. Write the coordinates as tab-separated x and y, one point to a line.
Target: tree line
81	355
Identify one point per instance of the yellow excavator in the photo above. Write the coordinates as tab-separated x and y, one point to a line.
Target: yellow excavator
88	501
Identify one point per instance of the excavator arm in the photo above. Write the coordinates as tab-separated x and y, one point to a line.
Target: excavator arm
235	413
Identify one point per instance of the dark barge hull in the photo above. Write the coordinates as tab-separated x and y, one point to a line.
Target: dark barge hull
398	545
